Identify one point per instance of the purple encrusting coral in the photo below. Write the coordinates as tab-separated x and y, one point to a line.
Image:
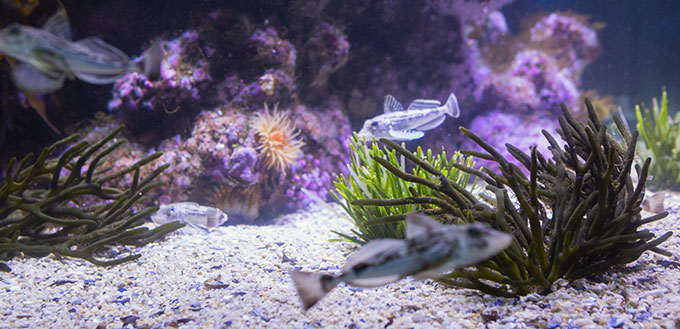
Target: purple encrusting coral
326	52
520	130
182	78
526	91
545	72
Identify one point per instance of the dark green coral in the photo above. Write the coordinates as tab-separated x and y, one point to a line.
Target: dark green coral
67	205
575	215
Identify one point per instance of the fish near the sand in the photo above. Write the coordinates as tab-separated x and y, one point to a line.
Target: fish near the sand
430	250
195	215
404	125
47	56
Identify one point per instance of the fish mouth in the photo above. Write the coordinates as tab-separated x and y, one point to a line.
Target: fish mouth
502	241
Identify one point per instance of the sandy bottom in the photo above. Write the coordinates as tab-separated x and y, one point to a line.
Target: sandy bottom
237	277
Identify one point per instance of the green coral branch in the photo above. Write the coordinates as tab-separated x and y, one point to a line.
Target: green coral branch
61	205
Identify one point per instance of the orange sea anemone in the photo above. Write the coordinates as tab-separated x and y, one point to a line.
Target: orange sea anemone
277	138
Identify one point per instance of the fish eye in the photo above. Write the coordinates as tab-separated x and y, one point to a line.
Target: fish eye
14	30
374	124
474	232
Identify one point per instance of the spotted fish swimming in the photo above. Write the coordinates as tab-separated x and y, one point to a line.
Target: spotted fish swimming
430	250
46	56
404	125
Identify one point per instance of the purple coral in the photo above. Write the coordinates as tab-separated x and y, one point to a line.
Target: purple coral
570	39
183	76
241	165
521	130
327	51
545	72
273	50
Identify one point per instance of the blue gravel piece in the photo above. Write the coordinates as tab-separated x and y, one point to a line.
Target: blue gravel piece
258	313
571	325
642	316
554	322
122	301
615	322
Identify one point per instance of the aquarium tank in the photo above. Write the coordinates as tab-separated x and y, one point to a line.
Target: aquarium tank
339	164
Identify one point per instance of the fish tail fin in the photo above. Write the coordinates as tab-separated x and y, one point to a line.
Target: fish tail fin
451	105
311	287
150	65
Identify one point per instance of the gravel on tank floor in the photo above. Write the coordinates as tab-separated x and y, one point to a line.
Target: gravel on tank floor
237	277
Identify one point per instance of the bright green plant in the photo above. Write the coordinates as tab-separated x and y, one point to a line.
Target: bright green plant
369	178
660	136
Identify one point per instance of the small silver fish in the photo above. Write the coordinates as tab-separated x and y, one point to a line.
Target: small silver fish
430	250
405	125
47	56
653	202
195	215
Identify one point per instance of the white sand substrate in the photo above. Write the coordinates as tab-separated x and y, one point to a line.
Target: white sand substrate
237	277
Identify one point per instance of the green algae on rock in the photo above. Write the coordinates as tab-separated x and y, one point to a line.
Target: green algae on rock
576	215
66	205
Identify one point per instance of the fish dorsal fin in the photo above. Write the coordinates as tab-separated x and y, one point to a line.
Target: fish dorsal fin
58	24
370	250
392	105
418	224
405	135
424	104
103	51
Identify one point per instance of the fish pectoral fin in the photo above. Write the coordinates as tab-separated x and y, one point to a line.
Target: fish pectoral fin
434	123
375	281
99	79
29	79
370	250
198	227
103	51
435	272
406	135
50	64
391	104
418	224
424	104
